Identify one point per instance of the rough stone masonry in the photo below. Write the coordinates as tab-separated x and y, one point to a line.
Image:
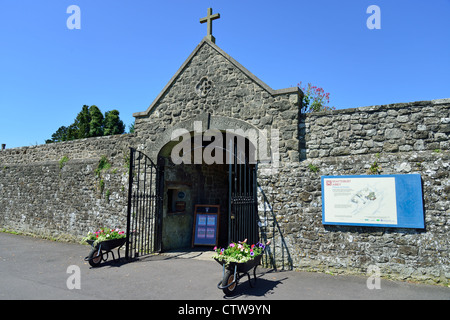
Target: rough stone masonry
400	139
59	191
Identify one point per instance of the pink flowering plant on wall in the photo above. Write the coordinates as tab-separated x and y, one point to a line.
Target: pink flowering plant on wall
239	252
104	235
315	99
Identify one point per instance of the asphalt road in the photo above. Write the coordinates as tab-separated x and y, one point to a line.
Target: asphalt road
33	268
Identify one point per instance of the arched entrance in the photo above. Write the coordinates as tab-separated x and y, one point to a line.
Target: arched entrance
208	170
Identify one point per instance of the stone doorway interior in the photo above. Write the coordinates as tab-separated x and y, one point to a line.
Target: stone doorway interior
187	185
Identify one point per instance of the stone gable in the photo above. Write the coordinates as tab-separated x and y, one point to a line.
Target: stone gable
211	82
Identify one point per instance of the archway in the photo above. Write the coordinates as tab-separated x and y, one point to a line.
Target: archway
229	182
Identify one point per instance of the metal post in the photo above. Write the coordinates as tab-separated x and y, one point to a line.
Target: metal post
230	195
130	190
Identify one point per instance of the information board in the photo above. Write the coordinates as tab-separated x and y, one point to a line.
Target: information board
381	200
206	225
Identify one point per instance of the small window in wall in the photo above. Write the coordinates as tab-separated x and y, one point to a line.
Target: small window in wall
175	201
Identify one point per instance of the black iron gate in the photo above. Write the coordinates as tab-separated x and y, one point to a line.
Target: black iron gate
144	206
242	220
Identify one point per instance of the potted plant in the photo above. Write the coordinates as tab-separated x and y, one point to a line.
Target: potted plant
106	240
237	260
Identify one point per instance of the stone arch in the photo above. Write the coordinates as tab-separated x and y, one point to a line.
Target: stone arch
220	123
191	180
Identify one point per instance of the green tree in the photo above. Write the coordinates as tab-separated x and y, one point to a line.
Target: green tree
82	123
72	132
113	124
90	122
59	135
96	123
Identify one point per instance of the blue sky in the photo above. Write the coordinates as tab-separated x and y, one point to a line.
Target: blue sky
126	52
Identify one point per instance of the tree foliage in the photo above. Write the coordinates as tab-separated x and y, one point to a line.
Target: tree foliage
90	122
96	124
113	124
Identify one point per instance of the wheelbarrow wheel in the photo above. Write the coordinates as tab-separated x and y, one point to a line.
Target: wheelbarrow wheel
95	257
227	282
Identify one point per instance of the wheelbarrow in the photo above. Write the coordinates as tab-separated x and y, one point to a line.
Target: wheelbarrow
100	252
234	271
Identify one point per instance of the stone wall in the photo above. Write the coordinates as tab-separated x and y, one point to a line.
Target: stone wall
403	127
57	190
397	139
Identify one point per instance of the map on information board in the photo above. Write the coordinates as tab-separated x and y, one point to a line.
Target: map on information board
360	200
390	200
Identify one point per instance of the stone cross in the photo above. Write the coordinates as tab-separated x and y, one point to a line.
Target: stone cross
209	19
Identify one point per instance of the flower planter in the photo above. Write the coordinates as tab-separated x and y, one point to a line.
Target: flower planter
100	251
233	272
237	260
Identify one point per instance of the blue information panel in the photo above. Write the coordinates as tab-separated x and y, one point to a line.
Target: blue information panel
377	201
206	225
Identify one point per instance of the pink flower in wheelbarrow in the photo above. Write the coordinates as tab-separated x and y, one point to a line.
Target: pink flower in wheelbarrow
239	252
105	234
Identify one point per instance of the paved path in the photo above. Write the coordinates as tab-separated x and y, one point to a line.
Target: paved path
37	269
